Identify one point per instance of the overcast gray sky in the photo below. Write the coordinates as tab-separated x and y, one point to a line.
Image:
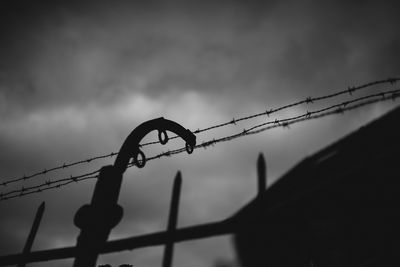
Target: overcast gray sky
77	76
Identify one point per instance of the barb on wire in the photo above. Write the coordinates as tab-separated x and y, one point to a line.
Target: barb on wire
326	113
308	100
309	115
332	110
49	183
268	112
63	166
286	122
339	108
21	193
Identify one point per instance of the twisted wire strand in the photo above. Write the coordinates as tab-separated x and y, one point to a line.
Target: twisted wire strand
309	100
309	115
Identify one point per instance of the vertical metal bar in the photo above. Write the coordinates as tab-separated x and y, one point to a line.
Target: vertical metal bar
32	234
261	174
98	218
172	221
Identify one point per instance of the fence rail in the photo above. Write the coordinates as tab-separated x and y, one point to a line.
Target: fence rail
167	238
142	241
103	213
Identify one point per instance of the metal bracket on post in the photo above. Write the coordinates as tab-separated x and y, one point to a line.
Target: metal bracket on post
103	213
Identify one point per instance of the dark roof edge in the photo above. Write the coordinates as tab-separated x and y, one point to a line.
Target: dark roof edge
363	146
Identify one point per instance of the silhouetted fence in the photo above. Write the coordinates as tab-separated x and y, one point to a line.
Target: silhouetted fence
167	238
337	108
97	219
103	213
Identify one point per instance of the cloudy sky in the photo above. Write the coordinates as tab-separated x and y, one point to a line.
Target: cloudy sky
77	76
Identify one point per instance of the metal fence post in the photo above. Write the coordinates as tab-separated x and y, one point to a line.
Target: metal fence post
97	219
103	213
32	234
172	221
261	174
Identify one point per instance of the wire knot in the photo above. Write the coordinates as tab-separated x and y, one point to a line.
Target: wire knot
351	89
392	80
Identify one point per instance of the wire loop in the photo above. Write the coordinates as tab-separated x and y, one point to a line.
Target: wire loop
163	137
234	121
189	148
142	162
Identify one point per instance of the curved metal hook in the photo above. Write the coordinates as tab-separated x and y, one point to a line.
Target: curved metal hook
130	148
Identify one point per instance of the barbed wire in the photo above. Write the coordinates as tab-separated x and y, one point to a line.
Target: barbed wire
49	183
24	191
309	100
309	115
64	166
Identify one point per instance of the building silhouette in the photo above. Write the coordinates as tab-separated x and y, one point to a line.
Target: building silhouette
339	207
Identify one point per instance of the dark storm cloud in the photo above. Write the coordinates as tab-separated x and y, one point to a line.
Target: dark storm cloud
77	76
42	43
77	52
